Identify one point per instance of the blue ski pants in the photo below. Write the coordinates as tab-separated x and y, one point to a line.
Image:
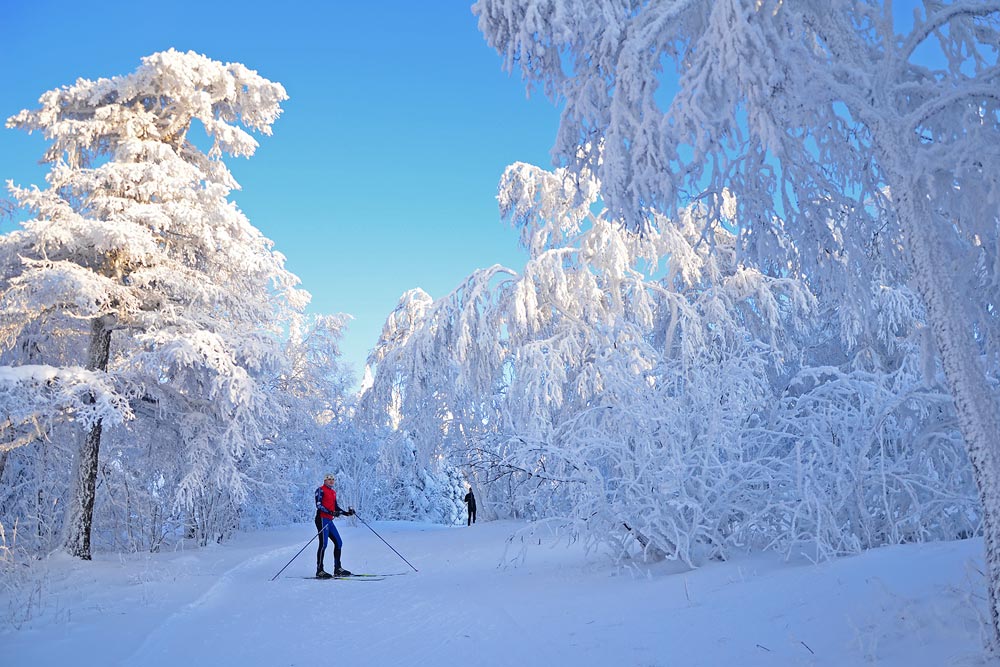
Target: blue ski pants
327	532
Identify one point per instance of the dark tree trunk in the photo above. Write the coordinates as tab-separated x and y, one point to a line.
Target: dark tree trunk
80	513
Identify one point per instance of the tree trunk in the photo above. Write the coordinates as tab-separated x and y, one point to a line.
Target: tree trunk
80	513
974	399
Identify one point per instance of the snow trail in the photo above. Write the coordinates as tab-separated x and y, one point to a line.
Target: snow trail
160	640
914	606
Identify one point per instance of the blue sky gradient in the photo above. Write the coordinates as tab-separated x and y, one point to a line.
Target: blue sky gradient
381	174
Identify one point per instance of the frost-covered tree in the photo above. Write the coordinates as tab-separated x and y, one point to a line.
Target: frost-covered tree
871	134
637	361
653	394
423	402
407	317
574	387
137	267
316	435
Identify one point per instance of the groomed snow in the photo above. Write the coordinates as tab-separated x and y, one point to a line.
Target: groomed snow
907	606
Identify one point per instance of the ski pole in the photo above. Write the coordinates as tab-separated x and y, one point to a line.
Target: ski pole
387	544
297	555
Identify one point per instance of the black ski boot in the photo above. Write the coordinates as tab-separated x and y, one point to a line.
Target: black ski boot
337	570
320	572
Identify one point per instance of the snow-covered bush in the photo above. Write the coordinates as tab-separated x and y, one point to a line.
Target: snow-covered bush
868	459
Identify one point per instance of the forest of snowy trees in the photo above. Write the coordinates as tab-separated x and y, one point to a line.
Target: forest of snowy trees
756	312
860	148
161	380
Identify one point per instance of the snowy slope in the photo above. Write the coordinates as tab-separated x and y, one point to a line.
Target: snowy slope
914	605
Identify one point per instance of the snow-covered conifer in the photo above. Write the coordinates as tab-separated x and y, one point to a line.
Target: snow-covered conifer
135	252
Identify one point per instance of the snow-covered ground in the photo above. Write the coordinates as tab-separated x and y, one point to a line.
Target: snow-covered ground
914	605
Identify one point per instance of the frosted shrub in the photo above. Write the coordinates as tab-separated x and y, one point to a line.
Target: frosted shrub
21	584
869	463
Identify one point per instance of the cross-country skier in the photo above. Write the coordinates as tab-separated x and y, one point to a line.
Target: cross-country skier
470	500
326	509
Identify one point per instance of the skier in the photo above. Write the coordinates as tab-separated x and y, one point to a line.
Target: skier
470	500
326	509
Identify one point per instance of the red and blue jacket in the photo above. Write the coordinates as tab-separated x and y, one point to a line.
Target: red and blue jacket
326	502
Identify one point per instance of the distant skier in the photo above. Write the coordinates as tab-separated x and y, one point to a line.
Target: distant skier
326	509
470	500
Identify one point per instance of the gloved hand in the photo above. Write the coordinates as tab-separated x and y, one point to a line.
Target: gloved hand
350	511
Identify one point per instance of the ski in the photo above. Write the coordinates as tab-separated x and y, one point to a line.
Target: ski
364	576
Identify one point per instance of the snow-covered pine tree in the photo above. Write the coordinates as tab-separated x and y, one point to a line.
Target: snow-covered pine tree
136	255
870	133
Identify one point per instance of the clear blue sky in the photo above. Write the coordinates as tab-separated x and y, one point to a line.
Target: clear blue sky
381	174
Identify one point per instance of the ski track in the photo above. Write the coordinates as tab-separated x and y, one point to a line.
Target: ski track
461	630
558	608
161	634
